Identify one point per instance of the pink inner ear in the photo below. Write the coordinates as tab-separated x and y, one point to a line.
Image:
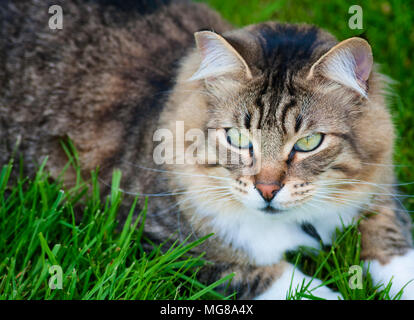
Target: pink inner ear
348	63
363	64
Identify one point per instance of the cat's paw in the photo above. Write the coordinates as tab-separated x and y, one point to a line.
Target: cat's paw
291	280
400	270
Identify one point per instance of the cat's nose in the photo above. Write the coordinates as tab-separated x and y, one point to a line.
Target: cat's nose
268	190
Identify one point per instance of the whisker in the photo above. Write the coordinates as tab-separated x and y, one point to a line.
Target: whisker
179	172
337	190
356	181
322	200
355	202
344	181
213	195
386	165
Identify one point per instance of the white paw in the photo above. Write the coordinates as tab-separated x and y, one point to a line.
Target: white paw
291	280
400	269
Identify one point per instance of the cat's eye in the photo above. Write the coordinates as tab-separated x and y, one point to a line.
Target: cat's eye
238	139
309	143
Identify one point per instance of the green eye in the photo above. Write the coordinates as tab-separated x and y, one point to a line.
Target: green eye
238	139
309	143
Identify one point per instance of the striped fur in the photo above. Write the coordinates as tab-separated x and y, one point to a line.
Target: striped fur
119	71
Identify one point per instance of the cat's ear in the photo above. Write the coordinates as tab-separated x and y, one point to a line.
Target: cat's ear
348	63
218	57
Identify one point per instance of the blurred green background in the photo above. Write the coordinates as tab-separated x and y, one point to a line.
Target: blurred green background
388	26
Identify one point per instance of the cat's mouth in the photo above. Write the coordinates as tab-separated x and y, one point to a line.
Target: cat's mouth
271	210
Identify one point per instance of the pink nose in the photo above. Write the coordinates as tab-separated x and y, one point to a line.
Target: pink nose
267	191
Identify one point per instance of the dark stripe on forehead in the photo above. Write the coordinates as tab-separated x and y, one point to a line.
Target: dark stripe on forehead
260	101
292	90
298	123
285	50
247	120
275	92
285	110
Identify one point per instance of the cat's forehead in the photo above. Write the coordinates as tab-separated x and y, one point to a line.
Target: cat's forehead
281	48
279	99
281	110
271	103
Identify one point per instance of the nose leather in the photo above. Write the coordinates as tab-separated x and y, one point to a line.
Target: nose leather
267	190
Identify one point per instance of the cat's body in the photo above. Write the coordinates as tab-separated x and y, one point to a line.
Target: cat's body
114	75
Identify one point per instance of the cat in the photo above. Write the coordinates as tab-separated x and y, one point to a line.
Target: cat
118	72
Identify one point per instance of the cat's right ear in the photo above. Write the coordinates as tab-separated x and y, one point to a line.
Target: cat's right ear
218	58
348	63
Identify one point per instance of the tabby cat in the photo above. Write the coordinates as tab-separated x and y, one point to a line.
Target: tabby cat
120	71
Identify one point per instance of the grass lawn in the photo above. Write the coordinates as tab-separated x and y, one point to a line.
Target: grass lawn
39	230
39	227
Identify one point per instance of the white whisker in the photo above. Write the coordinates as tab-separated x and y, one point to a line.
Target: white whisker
179	172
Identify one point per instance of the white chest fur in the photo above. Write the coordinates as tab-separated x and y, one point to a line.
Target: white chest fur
265	238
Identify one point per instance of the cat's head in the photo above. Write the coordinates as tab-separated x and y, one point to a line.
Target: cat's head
316	103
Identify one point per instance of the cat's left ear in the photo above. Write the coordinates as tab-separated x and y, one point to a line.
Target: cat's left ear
218	58
348	63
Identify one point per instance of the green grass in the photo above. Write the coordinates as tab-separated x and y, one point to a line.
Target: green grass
39	228
40	225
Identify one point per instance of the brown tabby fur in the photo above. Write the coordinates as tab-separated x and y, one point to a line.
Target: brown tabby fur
112	76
